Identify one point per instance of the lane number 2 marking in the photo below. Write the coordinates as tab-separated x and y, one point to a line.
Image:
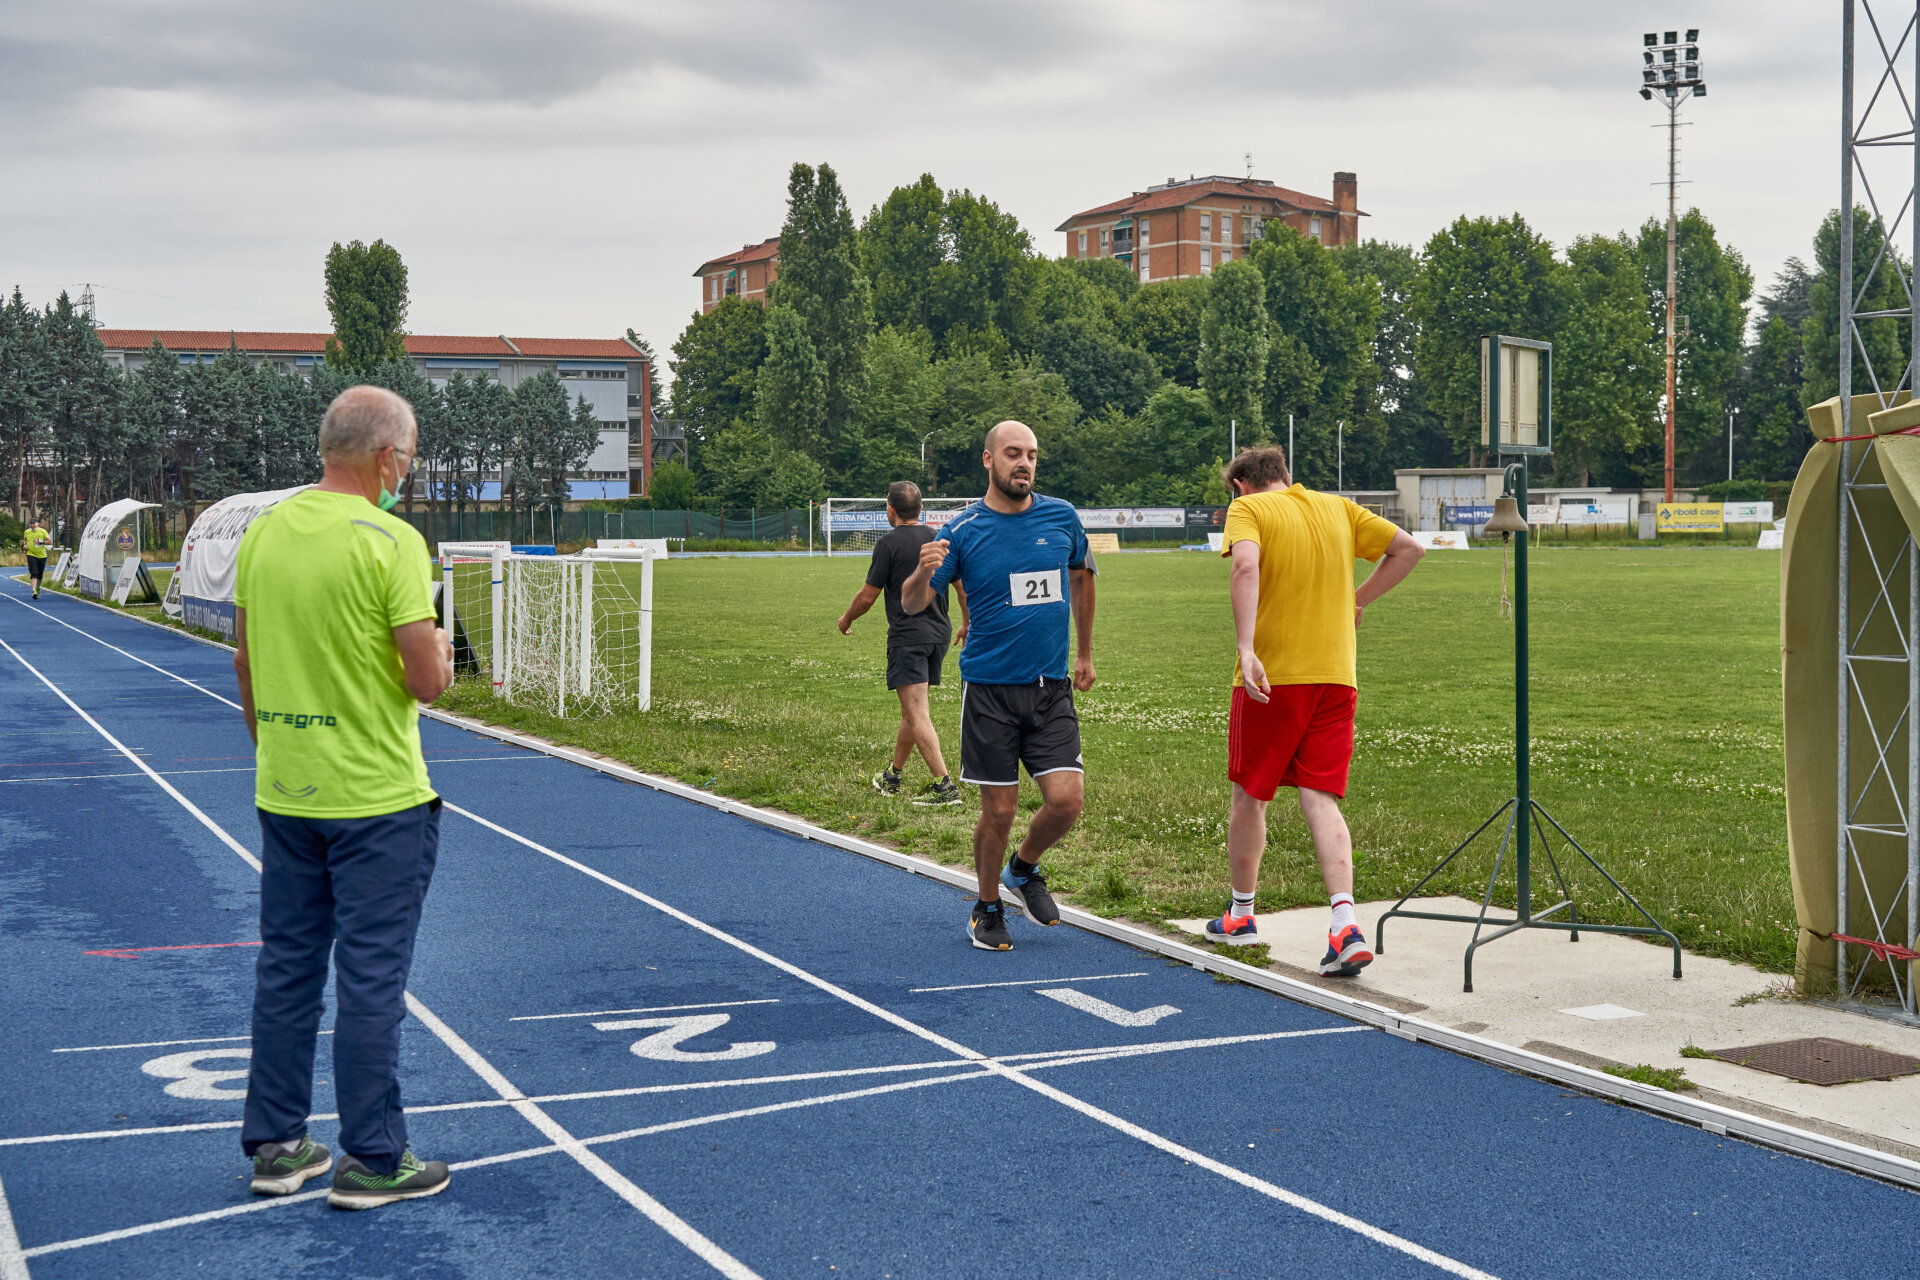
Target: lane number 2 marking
1042	586
191	1080
664	1045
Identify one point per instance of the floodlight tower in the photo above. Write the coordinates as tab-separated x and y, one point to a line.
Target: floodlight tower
1670	74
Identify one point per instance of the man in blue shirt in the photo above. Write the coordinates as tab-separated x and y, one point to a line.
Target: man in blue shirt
1020	558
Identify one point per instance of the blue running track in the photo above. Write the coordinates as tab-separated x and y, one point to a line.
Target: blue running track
659	1040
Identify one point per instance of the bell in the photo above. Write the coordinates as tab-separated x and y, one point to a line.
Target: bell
1506	519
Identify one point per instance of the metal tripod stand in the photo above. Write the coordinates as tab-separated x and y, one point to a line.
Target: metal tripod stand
1524	815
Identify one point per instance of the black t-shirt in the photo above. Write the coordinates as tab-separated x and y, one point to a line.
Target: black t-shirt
895	557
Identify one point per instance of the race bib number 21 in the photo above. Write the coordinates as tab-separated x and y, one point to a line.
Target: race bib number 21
1043	586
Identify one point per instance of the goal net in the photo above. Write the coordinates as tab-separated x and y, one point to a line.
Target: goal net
855	524
571	634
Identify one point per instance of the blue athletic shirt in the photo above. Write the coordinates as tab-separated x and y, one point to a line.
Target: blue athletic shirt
1014	569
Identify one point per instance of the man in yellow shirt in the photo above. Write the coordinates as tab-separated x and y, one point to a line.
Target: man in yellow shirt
37	540
336	647
1295	615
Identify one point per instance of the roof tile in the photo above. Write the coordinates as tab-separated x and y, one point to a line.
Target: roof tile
418	344
1187	193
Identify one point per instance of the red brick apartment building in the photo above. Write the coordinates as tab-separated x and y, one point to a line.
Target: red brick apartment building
1181	229
744	273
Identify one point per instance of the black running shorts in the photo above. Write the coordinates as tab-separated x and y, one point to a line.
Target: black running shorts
36	567
1003	726
914	664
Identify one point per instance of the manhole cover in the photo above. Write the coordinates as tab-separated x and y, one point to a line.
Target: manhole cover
1821	1060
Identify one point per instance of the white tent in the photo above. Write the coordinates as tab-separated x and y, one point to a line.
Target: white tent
110	532
202	588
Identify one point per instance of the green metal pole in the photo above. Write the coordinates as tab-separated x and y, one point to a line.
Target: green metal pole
1523	799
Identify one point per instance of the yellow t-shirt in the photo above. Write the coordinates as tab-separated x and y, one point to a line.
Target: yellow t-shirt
37	541
1303	631
325	578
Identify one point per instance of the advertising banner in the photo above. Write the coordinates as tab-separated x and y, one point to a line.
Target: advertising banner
1133	517
106	538
1748	512
1448	540
210	557
1467	513
1688	517
1595	513
876	521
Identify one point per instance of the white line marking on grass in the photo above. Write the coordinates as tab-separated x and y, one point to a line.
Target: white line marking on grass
13	1259
1036	1061
1290	1198
658	1008
1024	982
680	1230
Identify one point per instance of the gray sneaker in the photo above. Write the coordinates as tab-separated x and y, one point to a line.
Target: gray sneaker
939	792
279	1168
357	1187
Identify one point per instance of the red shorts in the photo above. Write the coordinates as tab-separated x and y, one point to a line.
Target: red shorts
1301	737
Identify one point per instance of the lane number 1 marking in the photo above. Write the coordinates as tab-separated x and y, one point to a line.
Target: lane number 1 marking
664	1045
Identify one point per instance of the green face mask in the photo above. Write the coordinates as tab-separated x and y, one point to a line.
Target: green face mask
388	499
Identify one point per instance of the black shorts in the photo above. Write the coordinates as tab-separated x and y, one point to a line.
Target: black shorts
1003	726
914	664
36	567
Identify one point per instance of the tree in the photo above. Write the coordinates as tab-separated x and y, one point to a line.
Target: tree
152	409
790	406
1232	363
1164	321
1414	435
903	386
735	463
22	386
1076	333
1608	376
716	370
820	279
954	265
673	488
903	246
656	400
367	298
79	404
548	442
1480	275
1319	351
794	480
1711	288
1886	343
1773	404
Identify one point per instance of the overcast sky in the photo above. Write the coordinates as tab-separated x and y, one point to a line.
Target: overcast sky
560	168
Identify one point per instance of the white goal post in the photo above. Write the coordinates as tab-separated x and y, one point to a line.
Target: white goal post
571	634
855	524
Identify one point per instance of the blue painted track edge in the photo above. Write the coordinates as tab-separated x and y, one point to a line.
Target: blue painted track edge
1715	1119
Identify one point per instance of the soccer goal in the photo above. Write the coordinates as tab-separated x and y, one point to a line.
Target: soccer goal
855	524
570	634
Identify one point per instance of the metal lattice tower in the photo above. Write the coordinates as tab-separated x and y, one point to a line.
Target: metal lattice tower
1879	812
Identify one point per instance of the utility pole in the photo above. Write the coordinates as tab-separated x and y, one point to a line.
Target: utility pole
1671	68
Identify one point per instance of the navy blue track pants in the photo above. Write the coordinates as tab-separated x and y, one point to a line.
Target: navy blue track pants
352	887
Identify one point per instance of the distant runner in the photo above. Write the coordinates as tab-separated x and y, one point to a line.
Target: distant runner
37	540
1295	614
1019	557
916	643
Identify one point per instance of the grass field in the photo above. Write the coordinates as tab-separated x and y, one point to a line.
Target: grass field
1656	728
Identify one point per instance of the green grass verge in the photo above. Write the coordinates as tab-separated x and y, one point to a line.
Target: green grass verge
1656	715
1672	1079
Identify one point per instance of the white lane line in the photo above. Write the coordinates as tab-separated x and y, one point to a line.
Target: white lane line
658	1008
13	1259
155	1044
1024	982
1292	1199
661	1216
1108	1012
1047	1057
117	649
680	1230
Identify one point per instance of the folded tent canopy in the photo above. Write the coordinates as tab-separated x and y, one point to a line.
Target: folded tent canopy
1881	772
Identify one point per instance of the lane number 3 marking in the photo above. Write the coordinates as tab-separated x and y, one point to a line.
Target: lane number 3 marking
191	1080
664	1045
1042	586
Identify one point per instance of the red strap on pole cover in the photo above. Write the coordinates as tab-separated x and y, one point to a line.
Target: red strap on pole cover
1888	951
1871	435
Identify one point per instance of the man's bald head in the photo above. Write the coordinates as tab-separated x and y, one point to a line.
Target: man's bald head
1011	455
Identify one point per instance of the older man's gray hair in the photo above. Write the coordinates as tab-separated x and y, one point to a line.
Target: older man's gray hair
363	420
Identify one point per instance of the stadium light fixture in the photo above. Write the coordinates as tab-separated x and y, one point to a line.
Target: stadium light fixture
1671	68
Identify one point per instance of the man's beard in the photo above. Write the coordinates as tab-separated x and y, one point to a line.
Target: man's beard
1017	488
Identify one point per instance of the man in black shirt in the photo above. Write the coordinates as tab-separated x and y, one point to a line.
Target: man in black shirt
916	643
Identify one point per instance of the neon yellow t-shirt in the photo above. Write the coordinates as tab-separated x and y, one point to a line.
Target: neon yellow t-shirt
1303	630
324	579
37	542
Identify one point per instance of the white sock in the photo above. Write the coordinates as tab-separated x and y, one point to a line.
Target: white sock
1242	905
1343	911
